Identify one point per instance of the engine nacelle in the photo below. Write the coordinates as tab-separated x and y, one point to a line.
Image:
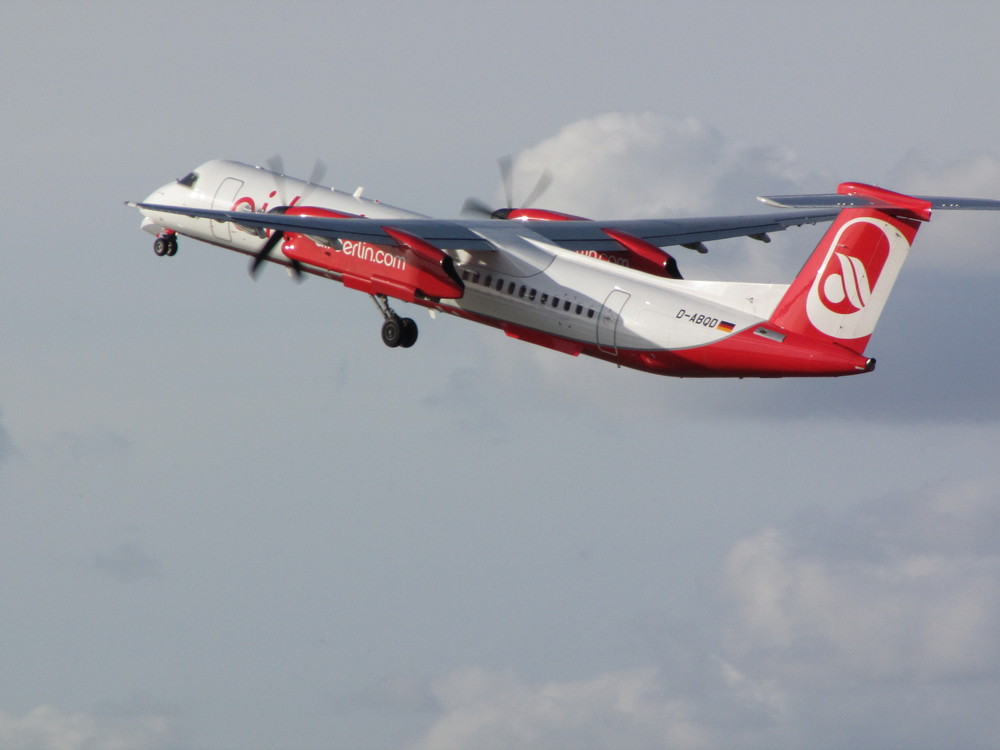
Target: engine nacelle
534	214
635	253
406	269
644	256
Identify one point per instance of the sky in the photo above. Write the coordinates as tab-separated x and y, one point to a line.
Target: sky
230	518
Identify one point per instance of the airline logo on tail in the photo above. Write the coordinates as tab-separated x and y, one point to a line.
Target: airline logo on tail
846	298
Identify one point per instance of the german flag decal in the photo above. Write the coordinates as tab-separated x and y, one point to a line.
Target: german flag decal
725	327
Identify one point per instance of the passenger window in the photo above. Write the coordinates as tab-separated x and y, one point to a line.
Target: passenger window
521	291
590	313
499	285
544	299
579	309
555	302
510	288
531	295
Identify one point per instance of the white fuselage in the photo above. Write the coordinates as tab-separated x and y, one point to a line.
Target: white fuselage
531	285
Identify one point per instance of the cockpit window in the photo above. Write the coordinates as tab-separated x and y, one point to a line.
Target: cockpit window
188	180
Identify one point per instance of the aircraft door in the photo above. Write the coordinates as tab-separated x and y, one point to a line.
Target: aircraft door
224	199
607	320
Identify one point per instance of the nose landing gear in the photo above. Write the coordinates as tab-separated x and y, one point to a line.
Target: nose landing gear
165	244
396	331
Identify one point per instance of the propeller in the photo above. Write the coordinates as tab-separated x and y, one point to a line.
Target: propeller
276	165
265	252
476	207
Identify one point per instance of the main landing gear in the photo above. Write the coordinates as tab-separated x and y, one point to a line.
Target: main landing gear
396	331
165	244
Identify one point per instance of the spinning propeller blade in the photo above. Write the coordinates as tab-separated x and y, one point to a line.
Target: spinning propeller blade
476	207
264	253
276	165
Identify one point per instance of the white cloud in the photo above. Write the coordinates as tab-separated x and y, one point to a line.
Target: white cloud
637	165
897	601
48	728
910	597
873	625
484	710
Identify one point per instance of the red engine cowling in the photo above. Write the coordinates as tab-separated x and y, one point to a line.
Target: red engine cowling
407	269
644	256
635	252
535	214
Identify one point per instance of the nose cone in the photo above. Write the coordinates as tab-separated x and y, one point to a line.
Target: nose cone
164	195
171	194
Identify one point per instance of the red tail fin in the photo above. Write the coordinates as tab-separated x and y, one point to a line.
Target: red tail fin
840	292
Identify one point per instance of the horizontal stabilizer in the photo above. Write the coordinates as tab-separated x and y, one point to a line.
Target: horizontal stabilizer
837	200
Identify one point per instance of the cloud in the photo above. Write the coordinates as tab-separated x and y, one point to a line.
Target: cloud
484	710
48	728
640	164
892	599
912	595
875	624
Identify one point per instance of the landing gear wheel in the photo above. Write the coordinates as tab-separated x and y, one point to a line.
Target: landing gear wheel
392	332
396	331
409	334
166	245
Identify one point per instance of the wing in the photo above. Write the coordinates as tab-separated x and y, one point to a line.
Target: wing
469	235
590	235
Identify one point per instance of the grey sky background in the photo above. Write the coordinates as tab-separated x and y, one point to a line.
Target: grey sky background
231	518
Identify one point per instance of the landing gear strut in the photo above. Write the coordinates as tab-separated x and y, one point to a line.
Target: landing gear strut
396	331
165	244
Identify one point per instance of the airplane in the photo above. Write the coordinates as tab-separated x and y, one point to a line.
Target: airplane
607	289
